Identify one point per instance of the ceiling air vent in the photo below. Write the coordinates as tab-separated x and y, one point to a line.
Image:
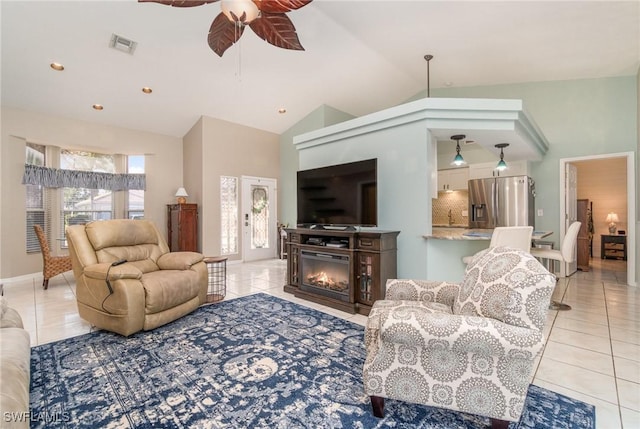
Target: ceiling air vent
122	44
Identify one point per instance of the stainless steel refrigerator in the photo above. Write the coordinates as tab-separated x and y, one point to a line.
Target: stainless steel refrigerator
501	201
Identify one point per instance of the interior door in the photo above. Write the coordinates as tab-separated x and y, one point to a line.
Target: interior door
259	220
571	212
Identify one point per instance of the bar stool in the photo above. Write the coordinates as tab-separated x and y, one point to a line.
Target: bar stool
518	237
566	254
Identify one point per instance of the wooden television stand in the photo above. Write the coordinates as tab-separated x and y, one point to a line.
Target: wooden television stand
342	269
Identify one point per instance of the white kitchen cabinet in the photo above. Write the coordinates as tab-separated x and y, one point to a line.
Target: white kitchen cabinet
488	169
454	179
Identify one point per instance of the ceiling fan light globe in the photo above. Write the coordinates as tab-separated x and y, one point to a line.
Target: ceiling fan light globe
243	11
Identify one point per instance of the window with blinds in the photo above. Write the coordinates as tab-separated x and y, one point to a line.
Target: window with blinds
35	215
82	205
135	198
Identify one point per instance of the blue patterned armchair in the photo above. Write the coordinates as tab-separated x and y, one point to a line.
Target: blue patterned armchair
468	347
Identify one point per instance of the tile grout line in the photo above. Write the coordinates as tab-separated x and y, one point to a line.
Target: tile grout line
613	360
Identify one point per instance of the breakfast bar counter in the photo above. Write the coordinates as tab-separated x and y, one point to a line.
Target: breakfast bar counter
461	233
458	233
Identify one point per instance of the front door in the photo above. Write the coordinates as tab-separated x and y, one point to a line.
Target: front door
259	221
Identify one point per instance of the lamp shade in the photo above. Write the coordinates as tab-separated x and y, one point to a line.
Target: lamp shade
458	160
181	192
612	217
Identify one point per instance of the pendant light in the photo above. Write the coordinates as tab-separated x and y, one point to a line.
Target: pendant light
458	160
428	58
501	164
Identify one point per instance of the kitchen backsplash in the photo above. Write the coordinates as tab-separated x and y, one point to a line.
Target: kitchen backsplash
457	202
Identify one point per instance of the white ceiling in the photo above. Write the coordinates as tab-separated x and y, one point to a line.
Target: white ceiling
361	57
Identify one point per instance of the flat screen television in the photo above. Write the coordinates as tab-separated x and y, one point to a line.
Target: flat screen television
339	195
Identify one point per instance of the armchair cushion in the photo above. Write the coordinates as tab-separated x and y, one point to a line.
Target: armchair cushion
508	285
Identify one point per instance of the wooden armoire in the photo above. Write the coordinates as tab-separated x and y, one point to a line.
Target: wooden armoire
182	227
584	238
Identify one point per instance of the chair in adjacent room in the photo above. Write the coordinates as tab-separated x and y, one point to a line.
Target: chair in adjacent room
518	237
51	265
566	254
468	347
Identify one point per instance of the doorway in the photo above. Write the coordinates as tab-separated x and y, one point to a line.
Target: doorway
259	218
599	166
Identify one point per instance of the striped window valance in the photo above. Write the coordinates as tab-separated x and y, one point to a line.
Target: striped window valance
58	178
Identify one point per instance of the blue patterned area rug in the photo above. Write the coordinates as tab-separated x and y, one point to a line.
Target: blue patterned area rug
252	362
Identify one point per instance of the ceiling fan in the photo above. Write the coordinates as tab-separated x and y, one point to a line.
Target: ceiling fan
267	18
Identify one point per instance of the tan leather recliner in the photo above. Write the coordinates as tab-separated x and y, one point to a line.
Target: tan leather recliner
152	288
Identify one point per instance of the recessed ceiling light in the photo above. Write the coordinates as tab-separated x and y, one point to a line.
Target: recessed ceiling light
147	90
282	110
98	106
56	66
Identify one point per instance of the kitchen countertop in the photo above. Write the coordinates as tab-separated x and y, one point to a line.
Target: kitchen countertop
464	233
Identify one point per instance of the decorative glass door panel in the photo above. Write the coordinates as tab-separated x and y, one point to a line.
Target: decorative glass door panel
259	218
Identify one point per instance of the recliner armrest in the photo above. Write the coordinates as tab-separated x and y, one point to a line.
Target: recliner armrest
124	271
179	260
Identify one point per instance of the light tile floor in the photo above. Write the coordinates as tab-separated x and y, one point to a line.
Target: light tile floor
592	352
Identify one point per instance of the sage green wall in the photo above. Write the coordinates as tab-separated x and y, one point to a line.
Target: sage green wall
578	117
322	117
163	169
405	154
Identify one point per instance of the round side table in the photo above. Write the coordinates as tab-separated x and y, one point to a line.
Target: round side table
217	268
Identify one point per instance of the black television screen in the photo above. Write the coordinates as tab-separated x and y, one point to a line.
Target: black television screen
344	194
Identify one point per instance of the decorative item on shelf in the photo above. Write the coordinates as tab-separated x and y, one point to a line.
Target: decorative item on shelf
182	195
267	19
501	164
458	160
612	218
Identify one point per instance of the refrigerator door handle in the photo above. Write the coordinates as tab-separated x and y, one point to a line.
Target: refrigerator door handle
494	200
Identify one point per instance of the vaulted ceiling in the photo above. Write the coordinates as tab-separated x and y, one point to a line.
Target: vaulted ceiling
360	57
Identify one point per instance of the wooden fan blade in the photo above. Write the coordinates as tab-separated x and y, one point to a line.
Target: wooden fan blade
280	6
180	3
277	29
223	33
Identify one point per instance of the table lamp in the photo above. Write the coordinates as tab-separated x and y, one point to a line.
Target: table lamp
612	218
181	193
